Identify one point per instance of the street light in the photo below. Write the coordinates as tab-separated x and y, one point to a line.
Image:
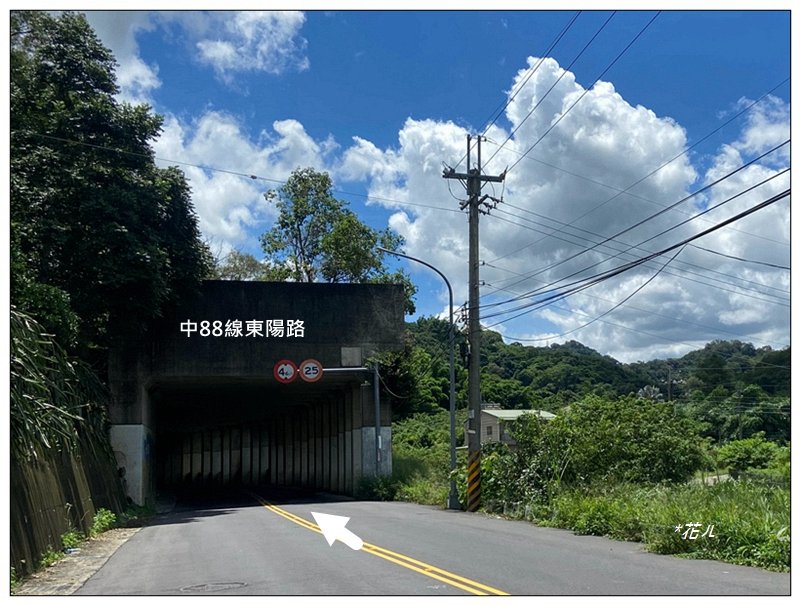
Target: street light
452	499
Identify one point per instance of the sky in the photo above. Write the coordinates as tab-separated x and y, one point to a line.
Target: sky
619	133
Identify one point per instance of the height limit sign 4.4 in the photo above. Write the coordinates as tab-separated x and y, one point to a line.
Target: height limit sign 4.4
285	371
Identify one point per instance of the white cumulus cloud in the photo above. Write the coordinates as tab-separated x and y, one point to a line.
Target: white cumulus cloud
117	30
581	182
246	41
230	42
231	207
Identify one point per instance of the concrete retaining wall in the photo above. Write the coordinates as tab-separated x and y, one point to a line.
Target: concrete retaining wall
56	493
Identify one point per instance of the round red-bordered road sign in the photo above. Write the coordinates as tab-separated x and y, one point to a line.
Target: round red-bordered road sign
311	370
285	371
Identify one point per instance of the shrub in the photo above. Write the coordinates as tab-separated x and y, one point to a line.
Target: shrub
743	454
71	539
376	488
104	520
50	557
627	440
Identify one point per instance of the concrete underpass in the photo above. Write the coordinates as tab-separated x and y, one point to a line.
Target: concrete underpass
222	435
204	413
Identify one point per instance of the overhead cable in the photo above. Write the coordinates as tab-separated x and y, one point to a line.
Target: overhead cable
660	212
668	162
744	260
582	284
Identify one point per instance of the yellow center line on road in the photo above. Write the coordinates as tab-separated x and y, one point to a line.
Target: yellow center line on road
431	571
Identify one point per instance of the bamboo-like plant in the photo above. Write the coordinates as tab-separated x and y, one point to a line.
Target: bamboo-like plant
54	400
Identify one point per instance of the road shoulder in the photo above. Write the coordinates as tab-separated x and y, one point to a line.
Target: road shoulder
70	573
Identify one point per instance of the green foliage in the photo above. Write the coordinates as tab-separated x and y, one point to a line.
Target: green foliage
427	436
780	465
772	372
740	414
744	454
50	557
423	490
420	461
414	380
557	376
510	394
599	515
135	515
627	440
15	580
612	462
596	440
102	240
54	400
376	488
71	539
103	520
245	267
751	522
316	237
529	471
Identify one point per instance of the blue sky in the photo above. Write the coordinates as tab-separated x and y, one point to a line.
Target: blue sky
381	99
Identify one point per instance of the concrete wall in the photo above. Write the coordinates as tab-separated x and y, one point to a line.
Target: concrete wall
320	434
57	492
133	448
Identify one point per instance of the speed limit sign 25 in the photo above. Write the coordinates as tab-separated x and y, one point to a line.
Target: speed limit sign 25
310	370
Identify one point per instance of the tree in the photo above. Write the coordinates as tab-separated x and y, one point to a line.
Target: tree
743	454
650	392
414	381
102	239
627	440
318	238
242	266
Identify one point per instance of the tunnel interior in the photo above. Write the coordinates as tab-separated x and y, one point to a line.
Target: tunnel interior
225	434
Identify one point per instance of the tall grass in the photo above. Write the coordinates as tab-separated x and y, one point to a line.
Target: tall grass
751	522
413	479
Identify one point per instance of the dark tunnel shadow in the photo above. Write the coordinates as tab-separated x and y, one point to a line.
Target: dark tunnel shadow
189	504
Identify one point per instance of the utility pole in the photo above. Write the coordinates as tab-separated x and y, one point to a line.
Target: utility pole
474	182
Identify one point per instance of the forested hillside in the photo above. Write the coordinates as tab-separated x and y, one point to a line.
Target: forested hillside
733	388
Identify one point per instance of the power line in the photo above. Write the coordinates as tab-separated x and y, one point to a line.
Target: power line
531	70
582	284
648	311
616	325
662	211
626	252
208	168
667	163
624	300
744	260
680	276
585	92
544	96
579	285
605	185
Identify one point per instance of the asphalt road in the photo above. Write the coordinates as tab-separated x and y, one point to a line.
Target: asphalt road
243	546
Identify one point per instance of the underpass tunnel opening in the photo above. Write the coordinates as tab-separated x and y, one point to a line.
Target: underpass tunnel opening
218	435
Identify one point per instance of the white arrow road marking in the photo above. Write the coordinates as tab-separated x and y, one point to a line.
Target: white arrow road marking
333	528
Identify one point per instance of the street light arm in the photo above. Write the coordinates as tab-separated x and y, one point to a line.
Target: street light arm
452	500
422	262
